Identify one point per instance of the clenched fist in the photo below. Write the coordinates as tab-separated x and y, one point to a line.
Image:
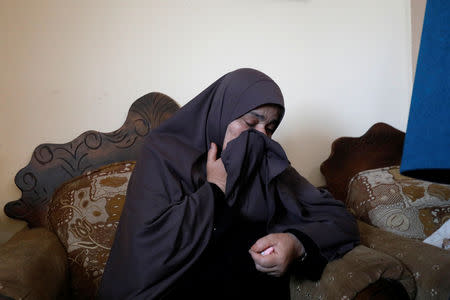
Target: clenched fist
273	253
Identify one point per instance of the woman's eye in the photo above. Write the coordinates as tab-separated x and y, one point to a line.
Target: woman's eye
250	124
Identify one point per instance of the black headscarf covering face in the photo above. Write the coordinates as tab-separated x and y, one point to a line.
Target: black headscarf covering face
205	118
168	217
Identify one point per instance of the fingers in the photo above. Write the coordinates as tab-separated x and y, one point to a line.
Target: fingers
269	270
262	252
273	253
268	251
215	170
272	272
263	243
265	261
267	264
212	153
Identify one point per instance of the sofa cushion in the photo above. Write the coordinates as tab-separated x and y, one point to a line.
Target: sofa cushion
27	271
84	213
409	207
429	265
346	277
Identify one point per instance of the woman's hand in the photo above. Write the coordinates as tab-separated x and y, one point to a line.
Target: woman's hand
215	170
273	253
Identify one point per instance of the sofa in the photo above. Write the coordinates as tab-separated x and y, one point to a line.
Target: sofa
73	194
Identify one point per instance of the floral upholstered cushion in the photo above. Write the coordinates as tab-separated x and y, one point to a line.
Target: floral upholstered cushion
428	264
346	277
84	214
409	207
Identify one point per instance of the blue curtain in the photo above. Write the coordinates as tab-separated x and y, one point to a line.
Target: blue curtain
426	152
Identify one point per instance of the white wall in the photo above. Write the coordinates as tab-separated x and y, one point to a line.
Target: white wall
417	16
67	67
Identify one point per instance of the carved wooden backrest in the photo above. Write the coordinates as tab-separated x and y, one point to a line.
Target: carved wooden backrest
381	146
53	164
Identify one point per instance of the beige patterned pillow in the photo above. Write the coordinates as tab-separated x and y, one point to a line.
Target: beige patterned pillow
406	206
84	213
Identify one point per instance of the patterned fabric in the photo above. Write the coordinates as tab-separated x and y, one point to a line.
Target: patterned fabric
429	265
84	213
409	207
345	278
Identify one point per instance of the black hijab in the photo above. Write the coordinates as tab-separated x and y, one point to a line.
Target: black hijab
169	214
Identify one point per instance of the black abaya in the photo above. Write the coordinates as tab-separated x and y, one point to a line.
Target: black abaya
179	234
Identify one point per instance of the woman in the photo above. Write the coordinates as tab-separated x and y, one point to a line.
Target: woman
214	209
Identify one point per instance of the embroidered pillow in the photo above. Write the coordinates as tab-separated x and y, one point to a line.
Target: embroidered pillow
406	206
84	213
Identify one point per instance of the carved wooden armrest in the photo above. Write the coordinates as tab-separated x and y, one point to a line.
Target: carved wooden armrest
381	146
53	164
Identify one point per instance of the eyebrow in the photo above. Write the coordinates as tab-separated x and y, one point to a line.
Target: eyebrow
263	118
260	117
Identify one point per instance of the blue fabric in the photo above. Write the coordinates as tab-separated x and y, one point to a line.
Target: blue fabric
426	153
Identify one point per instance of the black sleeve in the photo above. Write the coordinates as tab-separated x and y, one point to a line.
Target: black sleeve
218	194
176	226
314	263
321	223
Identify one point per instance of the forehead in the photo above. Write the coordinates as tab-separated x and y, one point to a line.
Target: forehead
268	111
